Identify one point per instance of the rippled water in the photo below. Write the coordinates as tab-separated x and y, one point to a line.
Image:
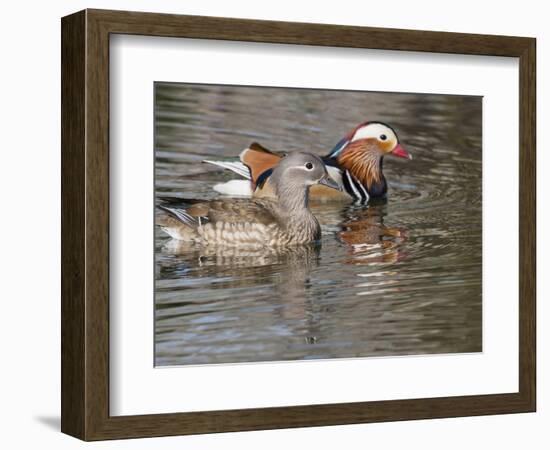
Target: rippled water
395	278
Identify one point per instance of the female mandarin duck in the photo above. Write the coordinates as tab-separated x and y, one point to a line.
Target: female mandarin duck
355	163
281	220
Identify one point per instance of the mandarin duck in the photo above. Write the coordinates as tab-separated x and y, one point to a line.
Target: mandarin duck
283	219
355	163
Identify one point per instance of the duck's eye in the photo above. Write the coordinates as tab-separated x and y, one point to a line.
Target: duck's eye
383	137
309	166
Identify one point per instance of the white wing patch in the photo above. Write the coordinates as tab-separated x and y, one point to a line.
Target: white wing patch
234	187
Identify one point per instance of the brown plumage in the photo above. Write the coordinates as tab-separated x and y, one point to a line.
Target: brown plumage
364	164
282	220
240	223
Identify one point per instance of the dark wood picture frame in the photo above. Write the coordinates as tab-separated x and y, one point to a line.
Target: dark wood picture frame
85	224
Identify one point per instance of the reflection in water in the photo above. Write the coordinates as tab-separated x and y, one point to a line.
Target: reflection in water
369	240
394	278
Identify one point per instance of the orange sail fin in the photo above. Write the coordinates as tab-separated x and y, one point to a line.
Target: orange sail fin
259	159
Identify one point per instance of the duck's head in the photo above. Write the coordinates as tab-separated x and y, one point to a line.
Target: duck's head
301	170
371	138
362	151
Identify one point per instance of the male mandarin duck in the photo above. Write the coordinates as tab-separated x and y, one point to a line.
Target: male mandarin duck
355	163
281	220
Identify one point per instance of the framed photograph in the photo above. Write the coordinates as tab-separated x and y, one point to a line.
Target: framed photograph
270	225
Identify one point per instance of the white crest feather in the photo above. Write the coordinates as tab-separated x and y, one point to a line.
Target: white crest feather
374	130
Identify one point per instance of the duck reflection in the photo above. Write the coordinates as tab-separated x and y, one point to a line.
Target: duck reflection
368	240
224	257
284	271
288	268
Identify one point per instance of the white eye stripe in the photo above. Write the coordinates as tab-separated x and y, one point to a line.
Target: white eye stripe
374	130
304	168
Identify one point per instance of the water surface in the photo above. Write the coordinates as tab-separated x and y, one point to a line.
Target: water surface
400	277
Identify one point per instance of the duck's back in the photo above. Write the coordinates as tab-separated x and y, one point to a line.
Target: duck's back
261	211
237	223
257	222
